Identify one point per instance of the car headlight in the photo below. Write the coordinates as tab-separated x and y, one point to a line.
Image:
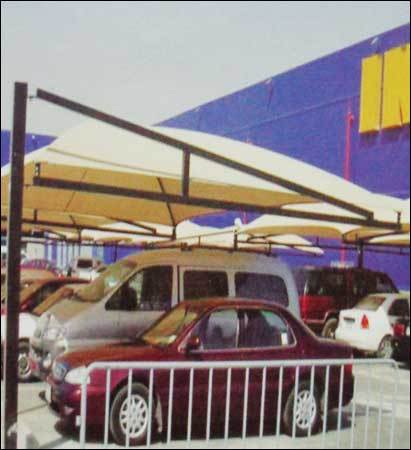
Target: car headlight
77	376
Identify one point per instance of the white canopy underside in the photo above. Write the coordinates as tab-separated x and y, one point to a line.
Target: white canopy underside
98	153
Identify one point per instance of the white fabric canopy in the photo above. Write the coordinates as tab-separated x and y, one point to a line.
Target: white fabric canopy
395	240
268	225
191	234
98	153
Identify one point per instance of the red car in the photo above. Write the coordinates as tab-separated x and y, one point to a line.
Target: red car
326	291
215	330
34	292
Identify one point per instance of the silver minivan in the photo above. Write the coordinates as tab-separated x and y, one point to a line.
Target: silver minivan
131	294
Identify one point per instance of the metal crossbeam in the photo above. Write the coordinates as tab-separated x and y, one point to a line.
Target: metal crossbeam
200	152
93	188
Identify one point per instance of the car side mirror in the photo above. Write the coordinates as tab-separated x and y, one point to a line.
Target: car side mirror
193	344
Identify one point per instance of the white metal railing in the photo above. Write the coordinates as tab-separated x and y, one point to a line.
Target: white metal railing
314	367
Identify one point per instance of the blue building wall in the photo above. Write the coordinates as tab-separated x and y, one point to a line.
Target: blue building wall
307	113
33	142
304	113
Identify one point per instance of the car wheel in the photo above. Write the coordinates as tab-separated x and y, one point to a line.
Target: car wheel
137	416
330	328
386	348
24	369
307	411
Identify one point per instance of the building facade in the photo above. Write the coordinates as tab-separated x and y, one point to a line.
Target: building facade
347	113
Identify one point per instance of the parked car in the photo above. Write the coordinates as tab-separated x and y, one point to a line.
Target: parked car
130	295
370	325
36	274
40	364
34	292
40	264
325	291
401	340
28	320
207	331
83	268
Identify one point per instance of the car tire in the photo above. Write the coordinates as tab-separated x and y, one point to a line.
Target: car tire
139	420
330	328
24	370
386	348
304	401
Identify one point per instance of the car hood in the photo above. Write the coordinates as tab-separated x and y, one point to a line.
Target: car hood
127	352
66	309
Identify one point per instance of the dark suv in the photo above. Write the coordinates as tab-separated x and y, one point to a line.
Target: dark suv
325	291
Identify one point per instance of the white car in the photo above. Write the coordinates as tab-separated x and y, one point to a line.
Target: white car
27	326
369	325
84	268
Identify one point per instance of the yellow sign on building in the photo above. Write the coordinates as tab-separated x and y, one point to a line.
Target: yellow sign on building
385	90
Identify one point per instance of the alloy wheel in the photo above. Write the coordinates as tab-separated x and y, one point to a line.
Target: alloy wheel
134	416
306	410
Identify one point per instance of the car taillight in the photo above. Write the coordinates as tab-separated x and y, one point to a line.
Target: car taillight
365	323
399	329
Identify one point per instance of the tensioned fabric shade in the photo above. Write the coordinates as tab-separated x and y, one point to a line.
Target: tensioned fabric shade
269	225
97	153
395	240
102	236
191	234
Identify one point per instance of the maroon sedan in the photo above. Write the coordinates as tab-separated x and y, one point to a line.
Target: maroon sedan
216	330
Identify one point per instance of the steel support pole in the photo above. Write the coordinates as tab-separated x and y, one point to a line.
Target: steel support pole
360	255
13	265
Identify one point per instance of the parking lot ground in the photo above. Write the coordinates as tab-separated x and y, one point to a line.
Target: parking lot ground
47	432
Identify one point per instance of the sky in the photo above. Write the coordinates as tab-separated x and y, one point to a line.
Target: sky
149	61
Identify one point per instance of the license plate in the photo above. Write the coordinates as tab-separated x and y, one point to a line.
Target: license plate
48	394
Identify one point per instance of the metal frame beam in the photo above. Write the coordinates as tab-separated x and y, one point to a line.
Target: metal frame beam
198	151
93	188
82	228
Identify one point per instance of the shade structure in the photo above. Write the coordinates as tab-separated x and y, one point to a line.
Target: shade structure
193	235
269	226
400	240
102	171
147	233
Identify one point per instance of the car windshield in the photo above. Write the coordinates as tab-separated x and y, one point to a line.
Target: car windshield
107	282
166	330
370	303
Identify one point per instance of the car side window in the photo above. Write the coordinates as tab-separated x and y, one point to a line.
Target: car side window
264	329
204	283
148	290
219	331
400	308
261	286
